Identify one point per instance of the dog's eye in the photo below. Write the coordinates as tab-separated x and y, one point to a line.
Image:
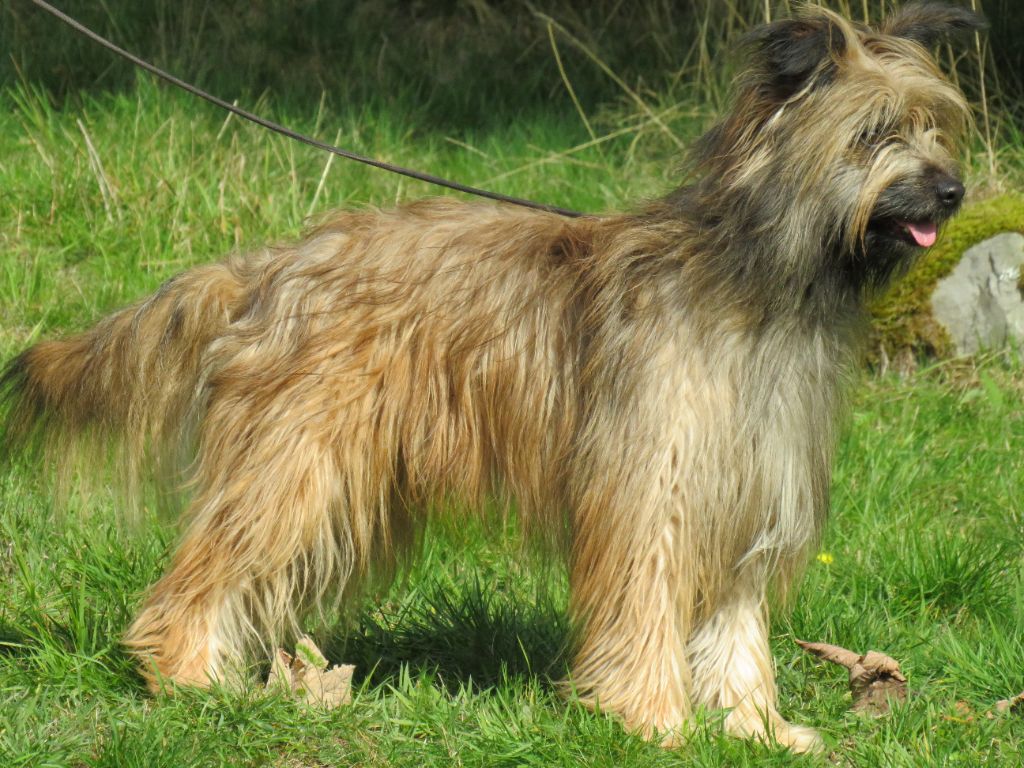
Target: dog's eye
876	136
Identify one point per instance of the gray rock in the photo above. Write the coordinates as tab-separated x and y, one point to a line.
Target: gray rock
981	304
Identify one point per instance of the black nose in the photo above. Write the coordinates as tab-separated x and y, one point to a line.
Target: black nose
950	191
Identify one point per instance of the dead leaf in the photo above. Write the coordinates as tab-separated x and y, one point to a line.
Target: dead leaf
306	677
875	679
963	712
1015	704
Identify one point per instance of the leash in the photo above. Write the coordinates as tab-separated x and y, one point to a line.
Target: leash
277	128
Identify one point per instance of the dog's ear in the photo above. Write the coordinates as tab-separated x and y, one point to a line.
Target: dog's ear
931	23
788	52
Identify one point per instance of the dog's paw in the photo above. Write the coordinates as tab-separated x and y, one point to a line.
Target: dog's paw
772	729
797	738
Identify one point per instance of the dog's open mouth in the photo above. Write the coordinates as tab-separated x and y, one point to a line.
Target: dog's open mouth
920	234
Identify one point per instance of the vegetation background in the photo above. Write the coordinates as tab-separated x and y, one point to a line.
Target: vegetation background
461	60
109	184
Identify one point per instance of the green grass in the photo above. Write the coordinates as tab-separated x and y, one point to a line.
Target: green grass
456	661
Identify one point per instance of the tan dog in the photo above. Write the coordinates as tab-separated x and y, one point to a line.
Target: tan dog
662	386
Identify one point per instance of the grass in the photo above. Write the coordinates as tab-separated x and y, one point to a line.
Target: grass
102	200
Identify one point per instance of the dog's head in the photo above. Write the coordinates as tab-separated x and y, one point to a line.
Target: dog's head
852	129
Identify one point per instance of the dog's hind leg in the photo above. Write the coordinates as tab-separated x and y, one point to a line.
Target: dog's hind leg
732	669
266	537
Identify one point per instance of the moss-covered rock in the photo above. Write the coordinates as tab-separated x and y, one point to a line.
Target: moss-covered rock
903	326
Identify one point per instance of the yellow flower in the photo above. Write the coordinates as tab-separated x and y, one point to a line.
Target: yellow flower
825	558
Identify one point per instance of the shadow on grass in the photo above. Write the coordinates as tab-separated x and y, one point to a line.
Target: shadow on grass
478	637
51	654
14	642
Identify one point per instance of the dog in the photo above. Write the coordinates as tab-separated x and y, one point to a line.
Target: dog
658	389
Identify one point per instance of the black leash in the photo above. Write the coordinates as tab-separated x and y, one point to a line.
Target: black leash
418	175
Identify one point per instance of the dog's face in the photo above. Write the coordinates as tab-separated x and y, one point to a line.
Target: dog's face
912	124
853	131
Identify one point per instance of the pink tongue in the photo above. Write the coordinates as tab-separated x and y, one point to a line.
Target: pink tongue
924	234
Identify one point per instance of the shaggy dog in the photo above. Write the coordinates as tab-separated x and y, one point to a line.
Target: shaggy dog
660	386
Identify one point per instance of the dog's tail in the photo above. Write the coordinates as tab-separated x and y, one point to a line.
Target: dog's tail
122	390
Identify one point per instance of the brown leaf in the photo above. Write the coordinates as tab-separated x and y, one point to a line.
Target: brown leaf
306	677
962	713
1015	704
875	679
833	653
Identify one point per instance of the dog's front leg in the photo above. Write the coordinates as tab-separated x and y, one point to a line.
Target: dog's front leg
732	667
631	596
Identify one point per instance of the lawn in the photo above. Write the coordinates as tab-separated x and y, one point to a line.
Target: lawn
105	198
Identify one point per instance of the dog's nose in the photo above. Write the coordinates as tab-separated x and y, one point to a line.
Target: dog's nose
950	191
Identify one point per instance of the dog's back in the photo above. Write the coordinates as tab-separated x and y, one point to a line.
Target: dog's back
420	310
